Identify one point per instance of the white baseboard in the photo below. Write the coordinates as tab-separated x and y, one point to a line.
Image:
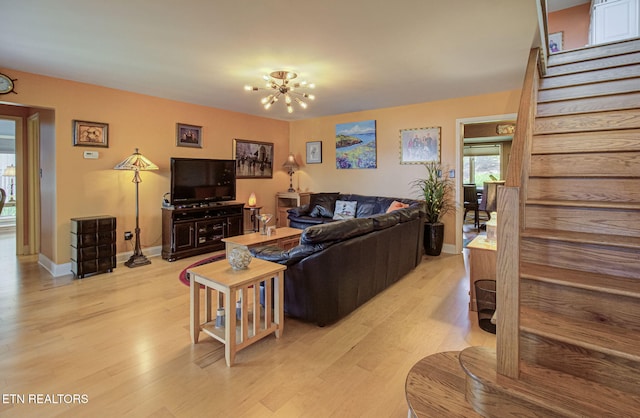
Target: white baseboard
57	270
449	249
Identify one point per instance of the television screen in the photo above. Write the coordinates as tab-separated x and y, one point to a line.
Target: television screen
196	180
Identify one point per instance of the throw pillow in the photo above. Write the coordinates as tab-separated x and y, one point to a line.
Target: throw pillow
326	200
395	205
345	209
321	212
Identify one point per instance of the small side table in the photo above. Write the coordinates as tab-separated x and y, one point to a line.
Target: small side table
255	212
256	321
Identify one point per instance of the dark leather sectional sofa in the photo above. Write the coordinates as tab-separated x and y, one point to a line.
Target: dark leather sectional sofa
340	265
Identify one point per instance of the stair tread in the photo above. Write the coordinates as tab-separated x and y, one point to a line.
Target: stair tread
588	122
603	338
594	52
603	88
435	386
589	77
586	204
604	103
583	237
599	141
622	286
550	389
593	64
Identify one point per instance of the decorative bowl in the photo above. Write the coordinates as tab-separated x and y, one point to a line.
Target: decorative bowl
239	258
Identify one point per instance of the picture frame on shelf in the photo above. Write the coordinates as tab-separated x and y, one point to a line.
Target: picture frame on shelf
188	135
254	159
556	42
90	134
420	145
314	152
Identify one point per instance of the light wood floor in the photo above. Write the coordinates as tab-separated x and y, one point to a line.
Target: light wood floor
122	340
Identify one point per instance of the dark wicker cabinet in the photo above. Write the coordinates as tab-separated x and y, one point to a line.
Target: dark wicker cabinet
191	231
93	245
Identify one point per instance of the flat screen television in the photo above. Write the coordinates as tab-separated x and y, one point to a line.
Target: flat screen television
196	181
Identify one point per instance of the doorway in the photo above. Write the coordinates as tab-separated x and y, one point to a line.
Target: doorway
8	127
486	138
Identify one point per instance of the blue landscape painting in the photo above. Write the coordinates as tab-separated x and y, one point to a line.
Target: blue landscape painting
356	145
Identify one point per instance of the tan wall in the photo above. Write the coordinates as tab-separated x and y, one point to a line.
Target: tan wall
390	178
85	187
574	23
73	186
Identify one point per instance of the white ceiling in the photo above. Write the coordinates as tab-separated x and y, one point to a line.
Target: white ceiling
361	54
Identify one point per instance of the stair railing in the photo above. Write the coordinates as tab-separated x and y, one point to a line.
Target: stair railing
511	217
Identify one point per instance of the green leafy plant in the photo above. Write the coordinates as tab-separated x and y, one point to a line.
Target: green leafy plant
437	190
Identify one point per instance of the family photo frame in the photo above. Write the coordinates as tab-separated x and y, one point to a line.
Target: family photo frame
420	145
90	134
188	135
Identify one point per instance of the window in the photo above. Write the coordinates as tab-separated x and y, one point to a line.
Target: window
481	163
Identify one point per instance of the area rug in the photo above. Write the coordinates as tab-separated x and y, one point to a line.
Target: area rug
183	274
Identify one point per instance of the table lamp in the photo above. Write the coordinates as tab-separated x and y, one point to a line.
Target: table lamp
291	165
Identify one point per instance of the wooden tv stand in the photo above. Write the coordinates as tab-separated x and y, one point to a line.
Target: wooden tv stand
197	230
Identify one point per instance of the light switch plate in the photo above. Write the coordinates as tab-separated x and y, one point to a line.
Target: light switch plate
91	154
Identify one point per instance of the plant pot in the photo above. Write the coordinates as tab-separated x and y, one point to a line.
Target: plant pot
433	238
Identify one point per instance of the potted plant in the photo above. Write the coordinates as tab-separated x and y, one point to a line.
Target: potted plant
436	189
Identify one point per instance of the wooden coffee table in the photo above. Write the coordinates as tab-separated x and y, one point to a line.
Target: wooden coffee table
284	238
256	321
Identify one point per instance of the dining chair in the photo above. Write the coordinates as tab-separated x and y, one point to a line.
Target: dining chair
471	203
3	198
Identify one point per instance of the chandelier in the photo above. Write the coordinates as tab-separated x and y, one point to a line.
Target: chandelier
279	85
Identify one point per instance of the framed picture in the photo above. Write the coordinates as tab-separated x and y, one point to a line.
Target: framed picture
188	135
314	152
555	42
254	160
356	145
419	145
90	134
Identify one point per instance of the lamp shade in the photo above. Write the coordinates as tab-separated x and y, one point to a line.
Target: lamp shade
291	164
137	162
10	171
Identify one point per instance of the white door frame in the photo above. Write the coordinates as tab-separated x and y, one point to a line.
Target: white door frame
459	152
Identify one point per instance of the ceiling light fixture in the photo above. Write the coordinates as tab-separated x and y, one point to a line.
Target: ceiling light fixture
279	84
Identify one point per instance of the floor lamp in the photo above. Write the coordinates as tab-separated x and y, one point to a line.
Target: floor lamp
136	162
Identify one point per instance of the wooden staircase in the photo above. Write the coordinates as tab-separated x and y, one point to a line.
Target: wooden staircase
579	286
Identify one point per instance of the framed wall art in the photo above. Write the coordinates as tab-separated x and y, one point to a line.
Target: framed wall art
254	160
90	134
555	42
356	145
419	145
188	135
314	152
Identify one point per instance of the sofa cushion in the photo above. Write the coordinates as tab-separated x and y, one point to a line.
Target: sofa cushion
326	200
385	220
408	214
345	209
336	231
276	254
366	209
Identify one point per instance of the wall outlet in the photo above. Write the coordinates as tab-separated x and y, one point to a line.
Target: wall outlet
128	235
